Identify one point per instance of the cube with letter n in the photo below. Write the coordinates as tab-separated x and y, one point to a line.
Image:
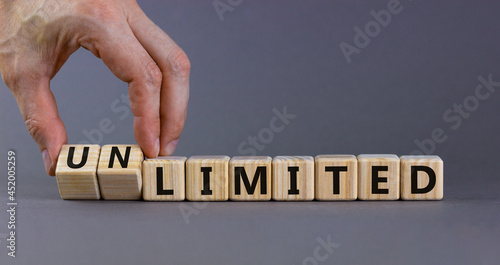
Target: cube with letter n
120	172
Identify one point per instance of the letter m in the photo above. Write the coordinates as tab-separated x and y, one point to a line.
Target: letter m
240	173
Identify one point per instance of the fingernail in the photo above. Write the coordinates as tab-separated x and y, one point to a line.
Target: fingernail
170	148
157	146
46	160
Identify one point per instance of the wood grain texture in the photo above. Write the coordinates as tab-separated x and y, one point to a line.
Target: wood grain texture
389	178
284	168
173	178
122	180
347	187
78	182
422	178
216	188
250	164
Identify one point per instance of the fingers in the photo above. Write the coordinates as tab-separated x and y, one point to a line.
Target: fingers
175	69
129	61
39	110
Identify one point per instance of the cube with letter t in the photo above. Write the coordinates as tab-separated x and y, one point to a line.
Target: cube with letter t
336	177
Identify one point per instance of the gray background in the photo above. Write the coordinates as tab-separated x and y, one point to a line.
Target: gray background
271	54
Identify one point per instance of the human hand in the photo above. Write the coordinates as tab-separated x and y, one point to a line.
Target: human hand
37	37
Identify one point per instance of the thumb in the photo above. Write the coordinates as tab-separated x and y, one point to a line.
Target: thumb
39	110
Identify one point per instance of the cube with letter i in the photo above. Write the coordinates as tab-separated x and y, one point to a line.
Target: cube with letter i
207	178
293	178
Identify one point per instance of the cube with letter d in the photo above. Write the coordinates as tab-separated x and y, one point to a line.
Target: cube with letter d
421	178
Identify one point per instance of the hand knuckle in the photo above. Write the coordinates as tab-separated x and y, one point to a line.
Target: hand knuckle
98	10
34	128
179	63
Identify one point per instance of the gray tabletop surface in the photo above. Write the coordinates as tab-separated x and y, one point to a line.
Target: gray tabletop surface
388	97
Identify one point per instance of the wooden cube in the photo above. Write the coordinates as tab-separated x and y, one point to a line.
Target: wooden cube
119	172
293	178
76	172
336	177
250	178
421	178
378	177
207	178
164	178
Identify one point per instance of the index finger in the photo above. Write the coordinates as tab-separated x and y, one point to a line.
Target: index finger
175	68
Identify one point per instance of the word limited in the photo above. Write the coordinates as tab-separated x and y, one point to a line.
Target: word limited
119	172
